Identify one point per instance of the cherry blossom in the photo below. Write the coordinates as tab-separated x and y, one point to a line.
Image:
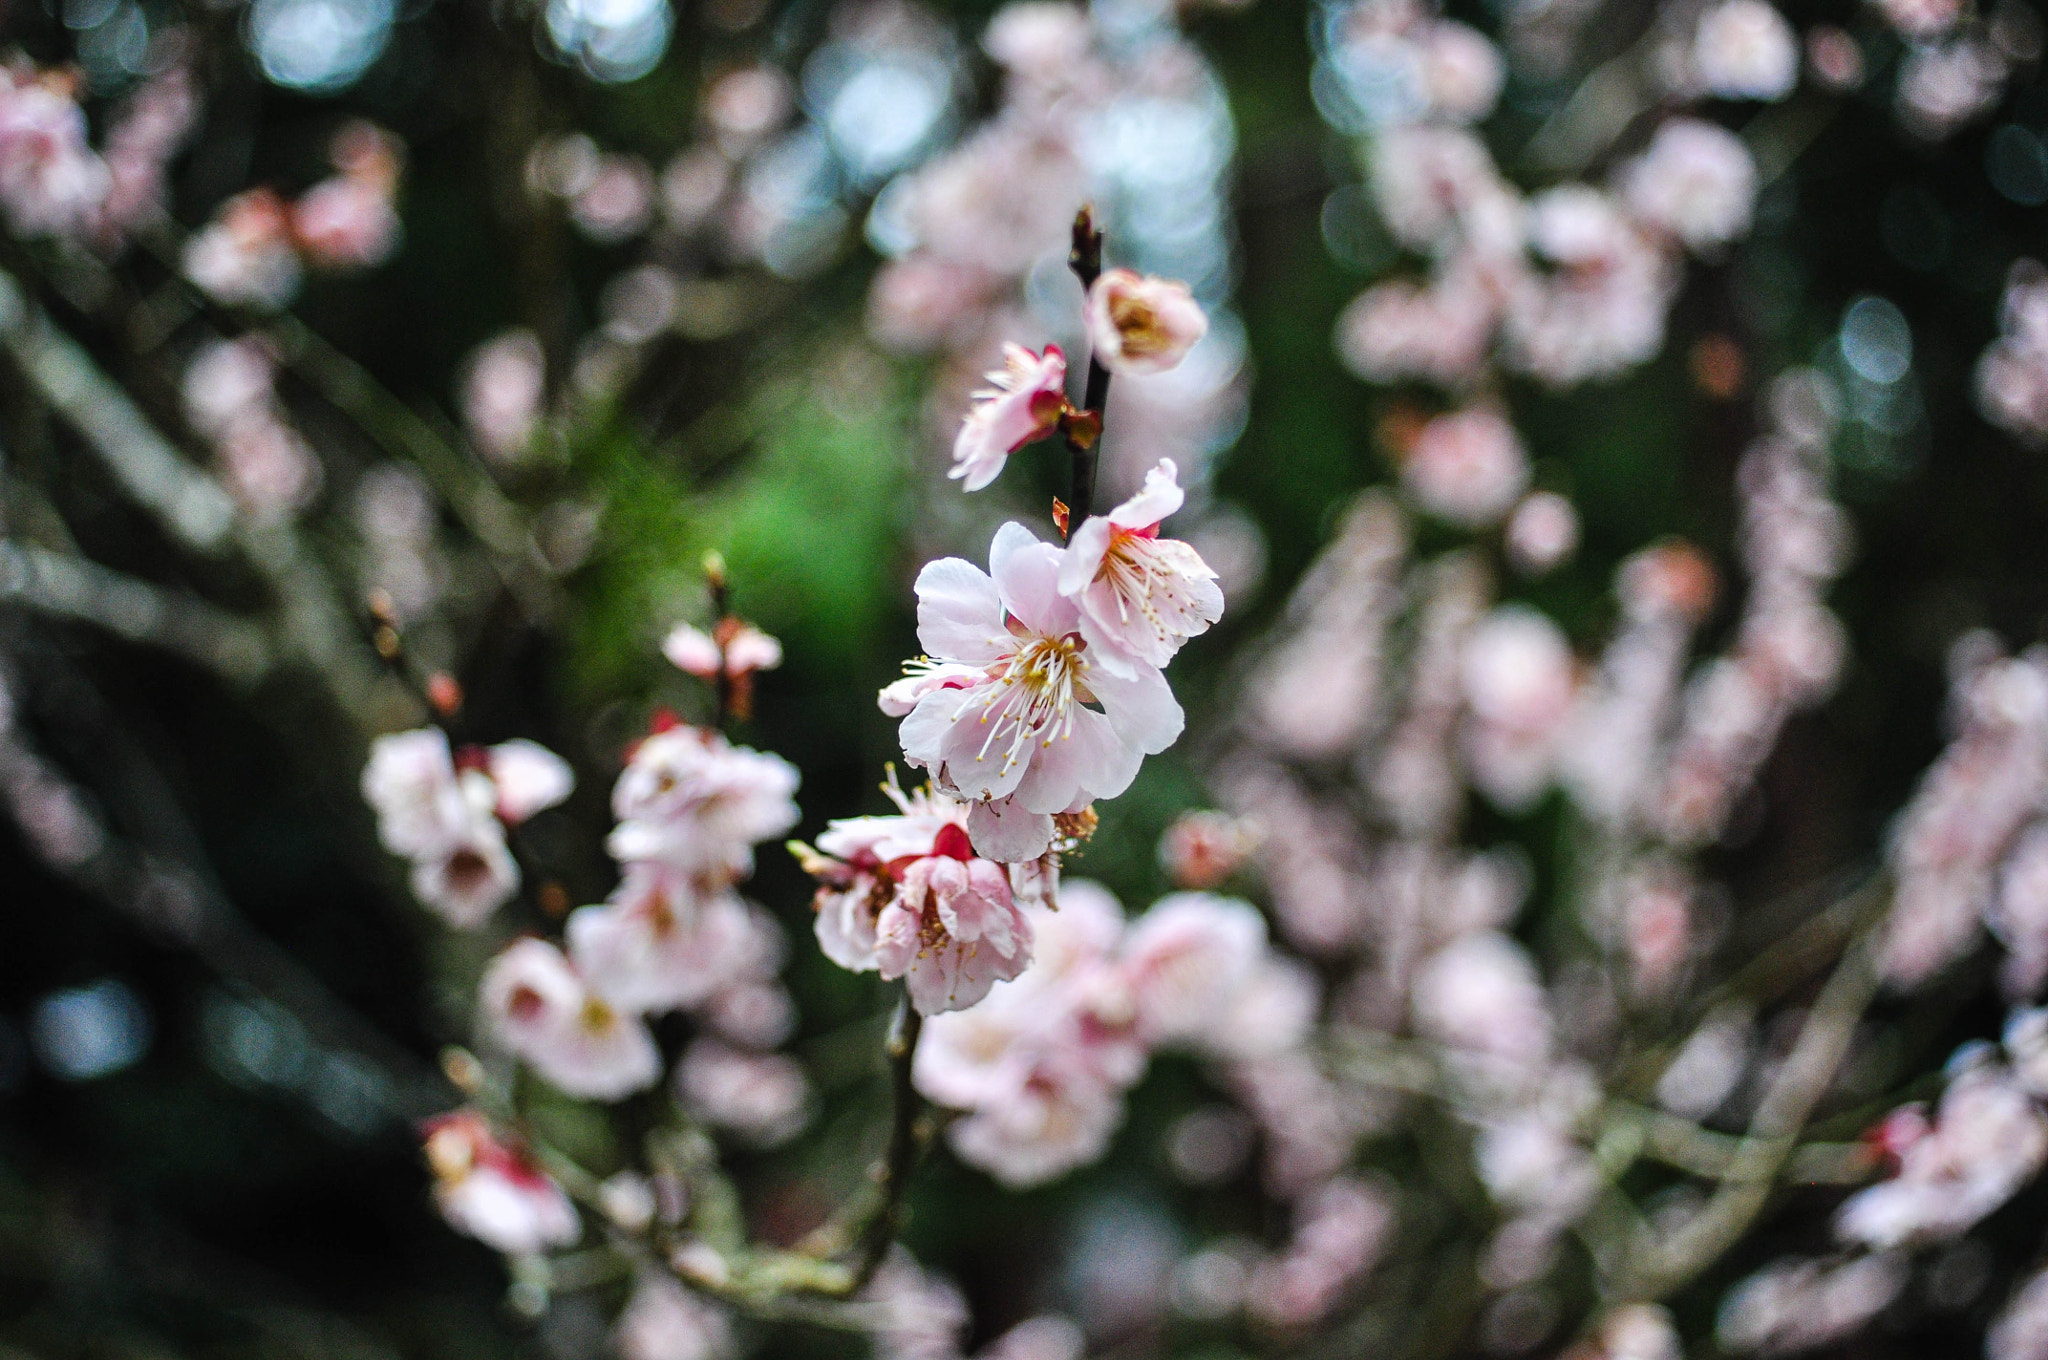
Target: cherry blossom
1988	1139
762	1097
1203	849
1140	596
1480	994
1519	681
348	221
906	896
470	876
660	944
2020	1331
493	1191
1016	726
1542	532
1744	49
51	183
1801	1305
1048	1116
444	814
1138	324
1697	181
664	1321
503	384
527	778
1467	467
952	929
244	256
1186	960
1022	403
541	1010
692	800
740	649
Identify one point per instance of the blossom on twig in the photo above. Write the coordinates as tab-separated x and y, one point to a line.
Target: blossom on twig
542	1011
1140	596
1011	720
1139	324
493	1190
1023	403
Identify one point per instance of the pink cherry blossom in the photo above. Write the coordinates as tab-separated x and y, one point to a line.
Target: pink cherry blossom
493	1191
763	1097
345	222
1055	1114
690	799
1481	994
51	183
538	1006
503	383
1988	1140
410	783
1017	726
952	930
744	650
860	864
473	874
244	256
1696	181
1186	960
1022	404
1141	596
659	945
148	131
527	778
1744	49
1434	185
2020	1331
1203	849
1467	467
1138	324
1518	678
1440	332
664	1321
1542	532
1463	71
1041	1064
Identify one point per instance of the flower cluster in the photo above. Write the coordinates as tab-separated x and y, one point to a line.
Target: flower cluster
1570	284
1042	1063
255	250
231	398
1966	818
2012	375
493	1190
52	183
1040	690
447	813
673	935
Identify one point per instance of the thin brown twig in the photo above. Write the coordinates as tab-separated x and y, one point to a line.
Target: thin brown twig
1084	449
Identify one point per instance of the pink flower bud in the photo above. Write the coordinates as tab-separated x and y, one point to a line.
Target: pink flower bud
1139	324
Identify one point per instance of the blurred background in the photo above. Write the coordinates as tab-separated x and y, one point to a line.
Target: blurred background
597	286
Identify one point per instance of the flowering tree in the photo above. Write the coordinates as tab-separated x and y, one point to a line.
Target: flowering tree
1578	926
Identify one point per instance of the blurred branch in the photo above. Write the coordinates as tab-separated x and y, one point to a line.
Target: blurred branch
1600	110
1709	1155
1756	1160
69	587
196	511
179	901
191	506
497	523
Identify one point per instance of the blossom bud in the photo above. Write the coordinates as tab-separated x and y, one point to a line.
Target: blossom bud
1139	324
